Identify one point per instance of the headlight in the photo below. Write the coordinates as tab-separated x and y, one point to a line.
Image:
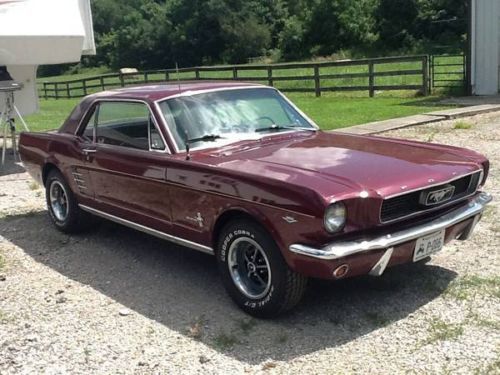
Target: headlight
335	216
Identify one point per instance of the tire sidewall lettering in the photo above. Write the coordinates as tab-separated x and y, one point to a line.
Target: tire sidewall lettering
229	239
224	248
261	303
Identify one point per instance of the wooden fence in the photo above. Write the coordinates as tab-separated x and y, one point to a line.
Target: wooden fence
371	75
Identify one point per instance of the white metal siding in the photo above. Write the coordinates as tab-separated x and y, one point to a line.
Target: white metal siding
486	47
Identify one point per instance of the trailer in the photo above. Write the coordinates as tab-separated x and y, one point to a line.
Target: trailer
40	32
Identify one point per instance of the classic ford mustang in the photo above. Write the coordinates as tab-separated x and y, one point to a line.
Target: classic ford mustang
236	170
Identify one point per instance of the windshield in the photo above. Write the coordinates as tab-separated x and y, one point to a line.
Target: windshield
229	115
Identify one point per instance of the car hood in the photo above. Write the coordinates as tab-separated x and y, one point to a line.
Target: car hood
338	165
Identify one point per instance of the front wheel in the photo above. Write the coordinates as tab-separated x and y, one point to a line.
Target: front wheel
254	272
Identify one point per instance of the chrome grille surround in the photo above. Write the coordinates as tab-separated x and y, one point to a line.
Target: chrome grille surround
407	204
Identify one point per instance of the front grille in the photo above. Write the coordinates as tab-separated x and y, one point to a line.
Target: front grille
408	204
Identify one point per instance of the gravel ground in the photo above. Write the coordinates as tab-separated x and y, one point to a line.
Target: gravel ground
118	301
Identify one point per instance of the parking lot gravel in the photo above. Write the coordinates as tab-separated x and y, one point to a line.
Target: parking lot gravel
116	301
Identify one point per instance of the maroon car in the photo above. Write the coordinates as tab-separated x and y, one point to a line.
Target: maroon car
236	170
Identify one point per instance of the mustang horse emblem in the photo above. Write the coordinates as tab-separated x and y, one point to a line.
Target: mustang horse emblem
441	195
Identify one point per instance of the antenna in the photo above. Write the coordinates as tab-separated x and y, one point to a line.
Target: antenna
177	71
188	155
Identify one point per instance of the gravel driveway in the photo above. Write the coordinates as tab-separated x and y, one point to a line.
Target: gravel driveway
118	301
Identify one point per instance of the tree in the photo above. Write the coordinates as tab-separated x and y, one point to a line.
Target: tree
291	40
337	24
159	33
396	22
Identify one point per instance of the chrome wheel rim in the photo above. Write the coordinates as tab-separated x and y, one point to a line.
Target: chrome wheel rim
58	200
249	268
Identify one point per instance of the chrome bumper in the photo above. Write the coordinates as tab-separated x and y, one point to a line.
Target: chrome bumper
342	249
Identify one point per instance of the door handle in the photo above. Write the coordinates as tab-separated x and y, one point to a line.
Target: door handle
87	152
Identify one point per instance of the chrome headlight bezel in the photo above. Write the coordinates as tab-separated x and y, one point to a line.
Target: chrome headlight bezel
480	180
335	217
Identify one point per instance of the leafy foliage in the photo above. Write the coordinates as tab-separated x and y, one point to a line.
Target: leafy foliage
158	33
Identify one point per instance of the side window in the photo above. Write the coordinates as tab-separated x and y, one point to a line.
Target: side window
123	124
126	124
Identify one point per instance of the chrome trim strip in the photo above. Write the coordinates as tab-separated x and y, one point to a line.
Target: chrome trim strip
151	231
338	250
243	86
157	103
98	100
379	268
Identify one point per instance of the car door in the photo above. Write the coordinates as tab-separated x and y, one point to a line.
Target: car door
126	162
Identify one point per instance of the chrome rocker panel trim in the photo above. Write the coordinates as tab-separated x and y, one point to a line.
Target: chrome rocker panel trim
151	231
338	250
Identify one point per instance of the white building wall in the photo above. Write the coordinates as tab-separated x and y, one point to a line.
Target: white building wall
485	47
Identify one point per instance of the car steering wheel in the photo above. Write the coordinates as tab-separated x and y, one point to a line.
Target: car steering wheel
265	118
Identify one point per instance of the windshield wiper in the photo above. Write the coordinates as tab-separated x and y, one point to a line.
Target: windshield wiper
205	138
274	127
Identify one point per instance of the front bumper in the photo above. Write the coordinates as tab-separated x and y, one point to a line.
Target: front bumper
343	249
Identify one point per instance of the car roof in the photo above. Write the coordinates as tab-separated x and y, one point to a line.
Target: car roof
155	92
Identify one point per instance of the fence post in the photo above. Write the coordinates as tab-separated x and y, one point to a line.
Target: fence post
145	77
464	69
166	76
425	75
235	73
68	92
196	73
45	90
102	83
270	75
317	84
122	81
371	79
56	90
84	87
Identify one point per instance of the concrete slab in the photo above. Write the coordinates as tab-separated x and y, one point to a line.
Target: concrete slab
426	118
465	111
358	129
472	100
396	123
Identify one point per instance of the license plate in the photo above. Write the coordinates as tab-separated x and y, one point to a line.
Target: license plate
428	245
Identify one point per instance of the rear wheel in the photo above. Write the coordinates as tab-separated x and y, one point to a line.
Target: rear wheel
63	207
254	272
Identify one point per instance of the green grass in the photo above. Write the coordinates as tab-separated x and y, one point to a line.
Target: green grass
290	77
466	287
441	331
2	262
51	115
462	125
330	111
225	341
246	325
83	73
